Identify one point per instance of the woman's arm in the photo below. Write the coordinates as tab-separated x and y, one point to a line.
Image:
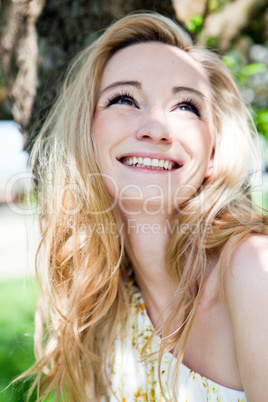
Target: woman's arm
246	289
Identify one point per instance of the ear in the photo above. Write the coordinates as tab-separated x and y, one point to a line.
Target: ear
210	165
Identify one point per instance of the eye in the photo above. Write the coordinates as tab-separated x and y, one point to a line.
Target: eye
189	105
186	107
122	99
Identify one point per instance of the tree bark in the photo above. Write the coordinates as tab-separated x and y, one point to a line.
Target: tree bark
186	9
19	55
226	24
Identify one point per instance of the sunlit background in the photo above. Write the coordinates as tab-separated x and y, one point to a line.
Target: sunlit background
19	236
17	219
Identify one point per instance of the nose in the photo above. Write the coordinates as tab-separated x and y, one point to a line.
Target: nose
154	128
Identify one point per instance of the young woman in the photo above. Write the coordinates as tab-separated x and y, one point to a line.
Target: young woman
153	262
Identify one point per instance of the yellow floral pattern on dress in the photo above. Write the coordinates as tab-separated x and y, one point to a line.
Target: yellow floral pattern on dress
133	379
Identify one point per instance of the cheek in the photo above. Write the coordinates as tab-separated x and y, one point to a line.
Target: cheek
196	137
100	131
108	130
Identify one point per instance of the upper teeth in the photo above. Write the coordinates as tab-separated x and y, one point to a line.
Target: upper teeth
153	163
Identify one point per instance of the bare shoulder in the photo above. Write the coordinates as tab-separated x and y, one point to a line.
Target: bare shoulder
247	277
250	258
254	244
246	290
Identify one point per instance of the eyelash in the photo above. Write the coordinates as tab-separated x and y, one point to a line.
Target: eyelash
193	104
120	96
190	102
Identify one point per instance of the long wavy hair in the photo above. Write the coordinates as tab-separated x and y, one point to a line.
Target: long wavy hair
81	261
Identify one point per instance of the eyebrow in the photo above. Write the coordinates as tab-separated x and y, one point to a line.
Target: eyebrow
175	90
138	85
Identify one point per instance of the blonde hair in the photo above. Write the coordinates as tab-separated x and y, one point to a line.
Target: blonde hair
81	269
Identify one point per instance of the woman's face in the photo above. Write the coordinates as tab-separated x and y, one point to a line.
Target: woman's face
153	127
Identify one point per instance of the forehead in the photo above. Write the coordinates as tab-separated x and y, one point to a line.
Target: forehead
156	63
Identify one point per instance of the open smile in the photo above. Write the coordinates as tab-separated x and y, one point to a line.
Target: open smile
149	163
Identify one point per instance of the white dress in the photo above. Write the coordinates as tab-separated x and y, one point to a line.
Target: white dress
132	379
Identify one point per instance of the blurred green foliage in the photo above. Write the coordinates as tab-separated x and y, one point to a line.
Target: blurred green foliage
215	5
240	71
243	74
195	24
17	300
247	58
262	121
260	200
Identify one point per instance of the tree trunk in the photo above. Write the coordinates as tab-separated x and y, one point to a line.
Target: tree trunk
19	54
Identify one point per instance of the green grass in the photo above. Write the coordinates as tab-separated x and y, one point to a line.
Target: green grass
17	304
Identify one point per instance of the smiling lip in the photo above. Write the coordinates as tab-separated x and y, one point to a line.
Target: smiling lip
151	162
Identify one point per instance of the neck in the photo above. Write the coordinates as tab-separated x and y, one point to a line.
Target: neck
146	239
